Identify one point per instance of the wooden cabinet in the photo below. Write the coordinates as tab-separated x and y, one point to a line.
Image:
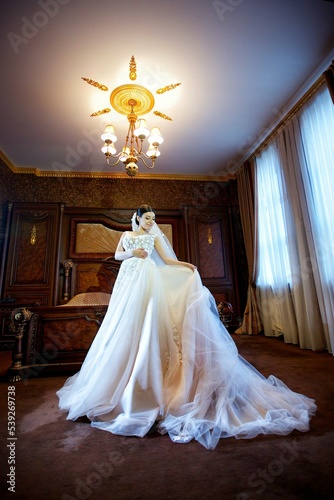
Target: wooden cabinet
29	267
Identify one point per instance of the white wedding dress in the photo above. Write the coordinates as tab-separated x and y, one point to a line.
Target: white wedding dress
162	357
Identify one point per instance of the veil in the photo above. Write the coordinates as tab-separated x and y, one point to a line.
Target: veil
167	247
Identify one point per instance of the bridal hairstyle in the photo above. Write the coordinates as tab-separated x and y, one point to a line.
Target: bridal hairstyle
169	251
142	210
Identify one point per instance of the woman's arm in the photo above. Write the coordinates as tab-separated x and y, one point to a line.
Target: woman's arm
169	260
122	254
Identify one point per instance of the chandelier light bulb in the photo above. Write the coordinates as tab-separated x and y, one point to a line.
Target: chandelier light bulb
155	137
153	152
141	131
109	134
124	154
108	149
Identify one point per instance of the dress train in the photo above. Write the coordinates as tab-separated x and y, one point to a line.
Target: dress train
162	357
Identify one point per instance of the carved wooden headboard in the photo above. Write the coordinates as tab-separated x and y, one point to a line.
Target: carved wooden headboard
98	238
91	267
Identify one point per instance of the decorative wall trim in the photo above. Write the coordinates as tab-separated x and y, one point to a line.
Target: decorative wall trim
111	175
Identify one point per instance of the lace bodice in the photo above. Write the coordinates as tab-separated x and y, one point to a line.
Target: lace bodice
146	241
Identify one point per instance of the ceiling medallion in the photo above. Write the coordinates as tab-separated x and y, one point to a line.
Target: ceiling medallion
130	95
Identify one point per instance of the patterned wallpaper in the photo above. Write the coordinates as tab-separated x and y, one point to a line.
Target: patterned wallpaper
113	192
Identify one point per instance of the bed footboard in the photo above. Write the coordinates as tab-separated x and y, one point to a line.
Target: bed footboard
51	340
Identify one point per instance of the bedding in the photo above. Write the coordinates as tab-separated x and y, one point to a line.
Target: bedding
89	299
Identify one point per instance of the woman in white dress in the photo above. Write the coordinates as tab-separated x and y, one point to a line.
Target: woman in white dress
163	358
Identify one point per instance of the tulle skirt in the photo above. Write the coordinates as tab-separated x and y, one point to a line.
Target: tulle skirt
163	358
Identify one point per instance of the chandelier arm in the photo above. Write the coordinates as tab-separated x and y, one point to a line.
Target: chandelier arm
116	162
142	156
139	144
129	135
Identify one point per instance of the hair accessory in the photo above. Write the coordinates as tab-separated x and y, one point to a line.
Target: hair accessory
134	222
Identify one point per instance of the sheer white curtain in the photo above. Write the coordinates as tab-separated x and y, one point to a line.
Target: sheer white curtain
275	246
316	152
295	234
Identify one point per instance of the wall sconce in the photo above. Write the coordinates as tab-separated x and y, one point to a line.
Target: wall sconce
33	235
210	240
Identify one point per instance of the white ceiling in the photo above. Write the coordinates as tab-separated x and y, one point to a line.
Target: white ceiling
242	64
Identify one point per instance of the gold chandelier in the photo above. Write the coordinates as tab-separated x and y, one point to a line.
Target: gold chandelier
134	101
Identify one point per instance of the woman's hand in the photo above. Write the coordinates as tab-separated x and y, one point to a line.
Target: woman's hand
140	253
191	266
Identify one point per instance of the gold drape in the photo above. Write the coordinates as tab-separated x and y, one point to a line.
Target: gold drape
251	324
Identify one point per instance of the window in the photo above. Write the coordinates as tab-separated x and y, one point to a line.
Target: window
274	265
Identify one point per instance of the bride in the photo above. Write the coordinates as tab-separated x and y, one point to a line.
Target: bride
163	360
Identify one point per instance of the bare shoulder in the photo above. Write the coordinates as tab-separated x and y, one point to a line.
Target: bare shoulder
157	239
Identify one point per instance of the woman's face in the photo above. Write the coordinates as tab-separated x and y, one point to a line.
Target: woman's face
147	220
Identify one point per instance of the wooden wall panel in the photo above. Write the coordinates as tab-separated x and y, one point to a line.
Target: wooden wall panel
211	249
32	258
30	263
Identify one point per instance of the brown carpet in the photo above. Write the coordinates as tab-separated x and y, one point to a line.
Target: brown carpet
60	459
